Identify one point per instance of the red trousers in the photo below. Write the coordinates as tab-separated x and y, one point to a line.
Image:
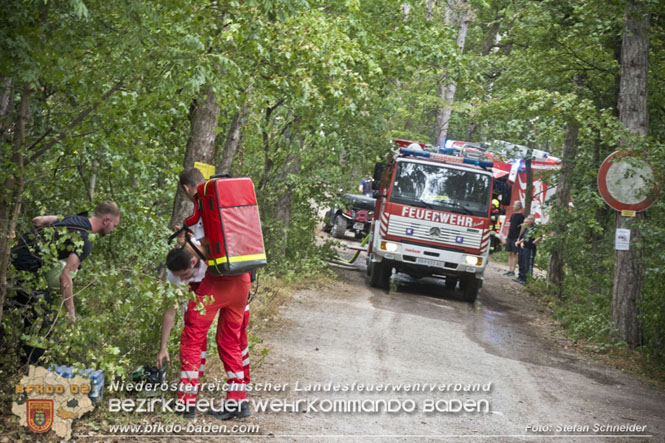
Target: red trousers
243	345
230	300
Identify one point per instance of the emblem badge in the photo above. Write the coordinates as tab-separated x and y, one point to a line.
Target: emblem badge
459	239
435	232
40	415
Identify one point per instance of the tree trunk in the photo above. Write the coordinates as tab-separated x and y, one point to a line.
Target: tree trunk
633	113
555	267
429	6
267	145
406	9
12	200
603	219
6	105
471	130
491	35
93	179
285	199
232	140
200	147
446	88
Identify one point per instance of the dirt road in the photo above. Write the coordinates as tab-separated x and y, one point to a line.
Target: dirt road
491	372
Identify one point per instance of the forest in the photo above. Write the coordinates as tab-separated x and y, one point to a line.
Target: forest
108	100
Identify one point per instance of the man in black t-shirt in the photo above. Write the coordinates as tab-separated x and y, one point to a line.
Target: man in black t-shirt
516	220
27	255
69	238
527	249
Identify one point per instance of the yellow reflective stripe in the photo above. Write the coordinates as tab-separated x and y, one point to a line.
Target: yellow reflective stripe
206	186
239	258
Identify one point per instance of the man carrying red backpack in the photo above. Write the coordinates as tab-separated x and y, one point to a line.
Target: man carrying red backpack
226	294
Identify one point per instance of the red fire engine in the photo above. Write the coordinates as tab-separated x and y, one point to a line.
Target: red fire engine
432	217
510	180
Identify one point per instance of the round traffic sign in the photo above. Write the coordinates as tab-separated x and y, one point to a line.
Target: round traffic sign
627	182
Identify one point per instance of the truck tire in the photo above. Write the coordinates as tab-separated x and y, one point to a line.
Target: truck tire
451	283
339	227
379	274
470	287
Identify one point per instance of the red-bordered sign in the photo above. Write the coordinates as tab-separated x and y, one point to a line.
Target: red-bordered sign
627	184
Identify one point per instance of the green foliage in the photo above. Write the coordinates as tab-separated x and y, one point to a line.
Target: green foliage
586	316
652	305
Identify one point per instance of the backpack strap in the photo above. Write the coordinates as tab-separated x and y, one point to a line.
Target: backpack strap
189	240
197	250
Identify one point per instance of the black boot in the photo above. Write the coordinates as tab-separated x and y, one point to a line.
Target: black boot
238	410
188	413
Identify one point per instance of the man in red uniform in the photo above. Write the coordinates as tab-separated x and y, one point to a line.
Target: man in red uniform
184	269
229	297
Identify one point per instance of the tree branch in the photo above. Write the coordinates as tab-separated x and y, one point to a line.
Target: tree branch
74	123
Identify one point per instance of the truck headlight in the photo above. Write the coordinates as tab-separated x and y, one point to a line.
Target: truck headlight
473	260
388	246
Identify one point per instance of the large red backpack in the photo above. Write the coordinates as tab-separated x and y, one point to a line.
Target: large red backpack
231	224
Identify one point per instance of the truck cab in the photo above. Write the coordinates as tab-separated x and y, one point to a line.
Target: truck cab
432	218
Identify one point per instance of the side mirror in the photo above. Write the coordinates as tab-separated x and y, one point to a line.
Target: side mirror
379	168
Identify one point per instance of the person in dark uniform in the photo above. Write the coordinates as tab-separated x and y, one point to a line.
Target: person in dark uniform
527	249
516	220
69	239
365	186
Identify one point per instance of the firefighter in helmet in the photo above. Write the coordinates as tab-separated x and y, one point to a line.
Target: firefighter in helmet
495	225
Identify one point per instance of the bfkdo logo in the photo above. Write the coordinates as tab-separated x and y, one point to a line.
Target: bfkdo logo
40	415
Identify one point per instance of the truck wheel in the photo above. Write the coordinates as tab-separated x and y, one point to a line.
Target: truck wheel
379	274
470	287
339	227
451	283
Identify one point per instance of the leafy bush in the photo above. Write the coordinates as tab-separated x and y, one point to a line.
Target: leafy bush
586	316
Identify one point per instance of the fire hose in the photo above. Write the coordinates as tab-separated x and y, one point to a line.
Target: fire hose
346	263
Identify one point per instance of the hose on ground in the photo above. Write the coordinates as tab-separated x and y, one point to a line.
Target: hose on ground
341	261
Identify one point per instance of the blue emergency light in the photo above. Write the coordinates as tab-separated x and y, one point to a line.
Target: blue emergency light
445	157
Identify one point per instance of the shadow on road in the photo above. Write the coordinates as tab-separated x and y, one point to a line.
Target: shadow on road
427	286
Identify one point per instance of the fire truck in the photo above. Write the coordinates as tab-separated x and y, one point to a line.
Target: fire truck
432	217
512	172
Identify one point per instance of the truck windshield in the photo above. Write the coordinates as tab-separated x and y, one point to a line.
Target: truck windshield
442	188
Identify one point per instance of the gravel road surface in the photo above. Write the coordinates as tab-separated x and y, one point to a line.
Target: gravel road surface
492	371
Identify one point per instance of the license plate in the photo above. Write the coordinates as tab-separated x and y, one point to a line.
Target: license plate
359	226
434	263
